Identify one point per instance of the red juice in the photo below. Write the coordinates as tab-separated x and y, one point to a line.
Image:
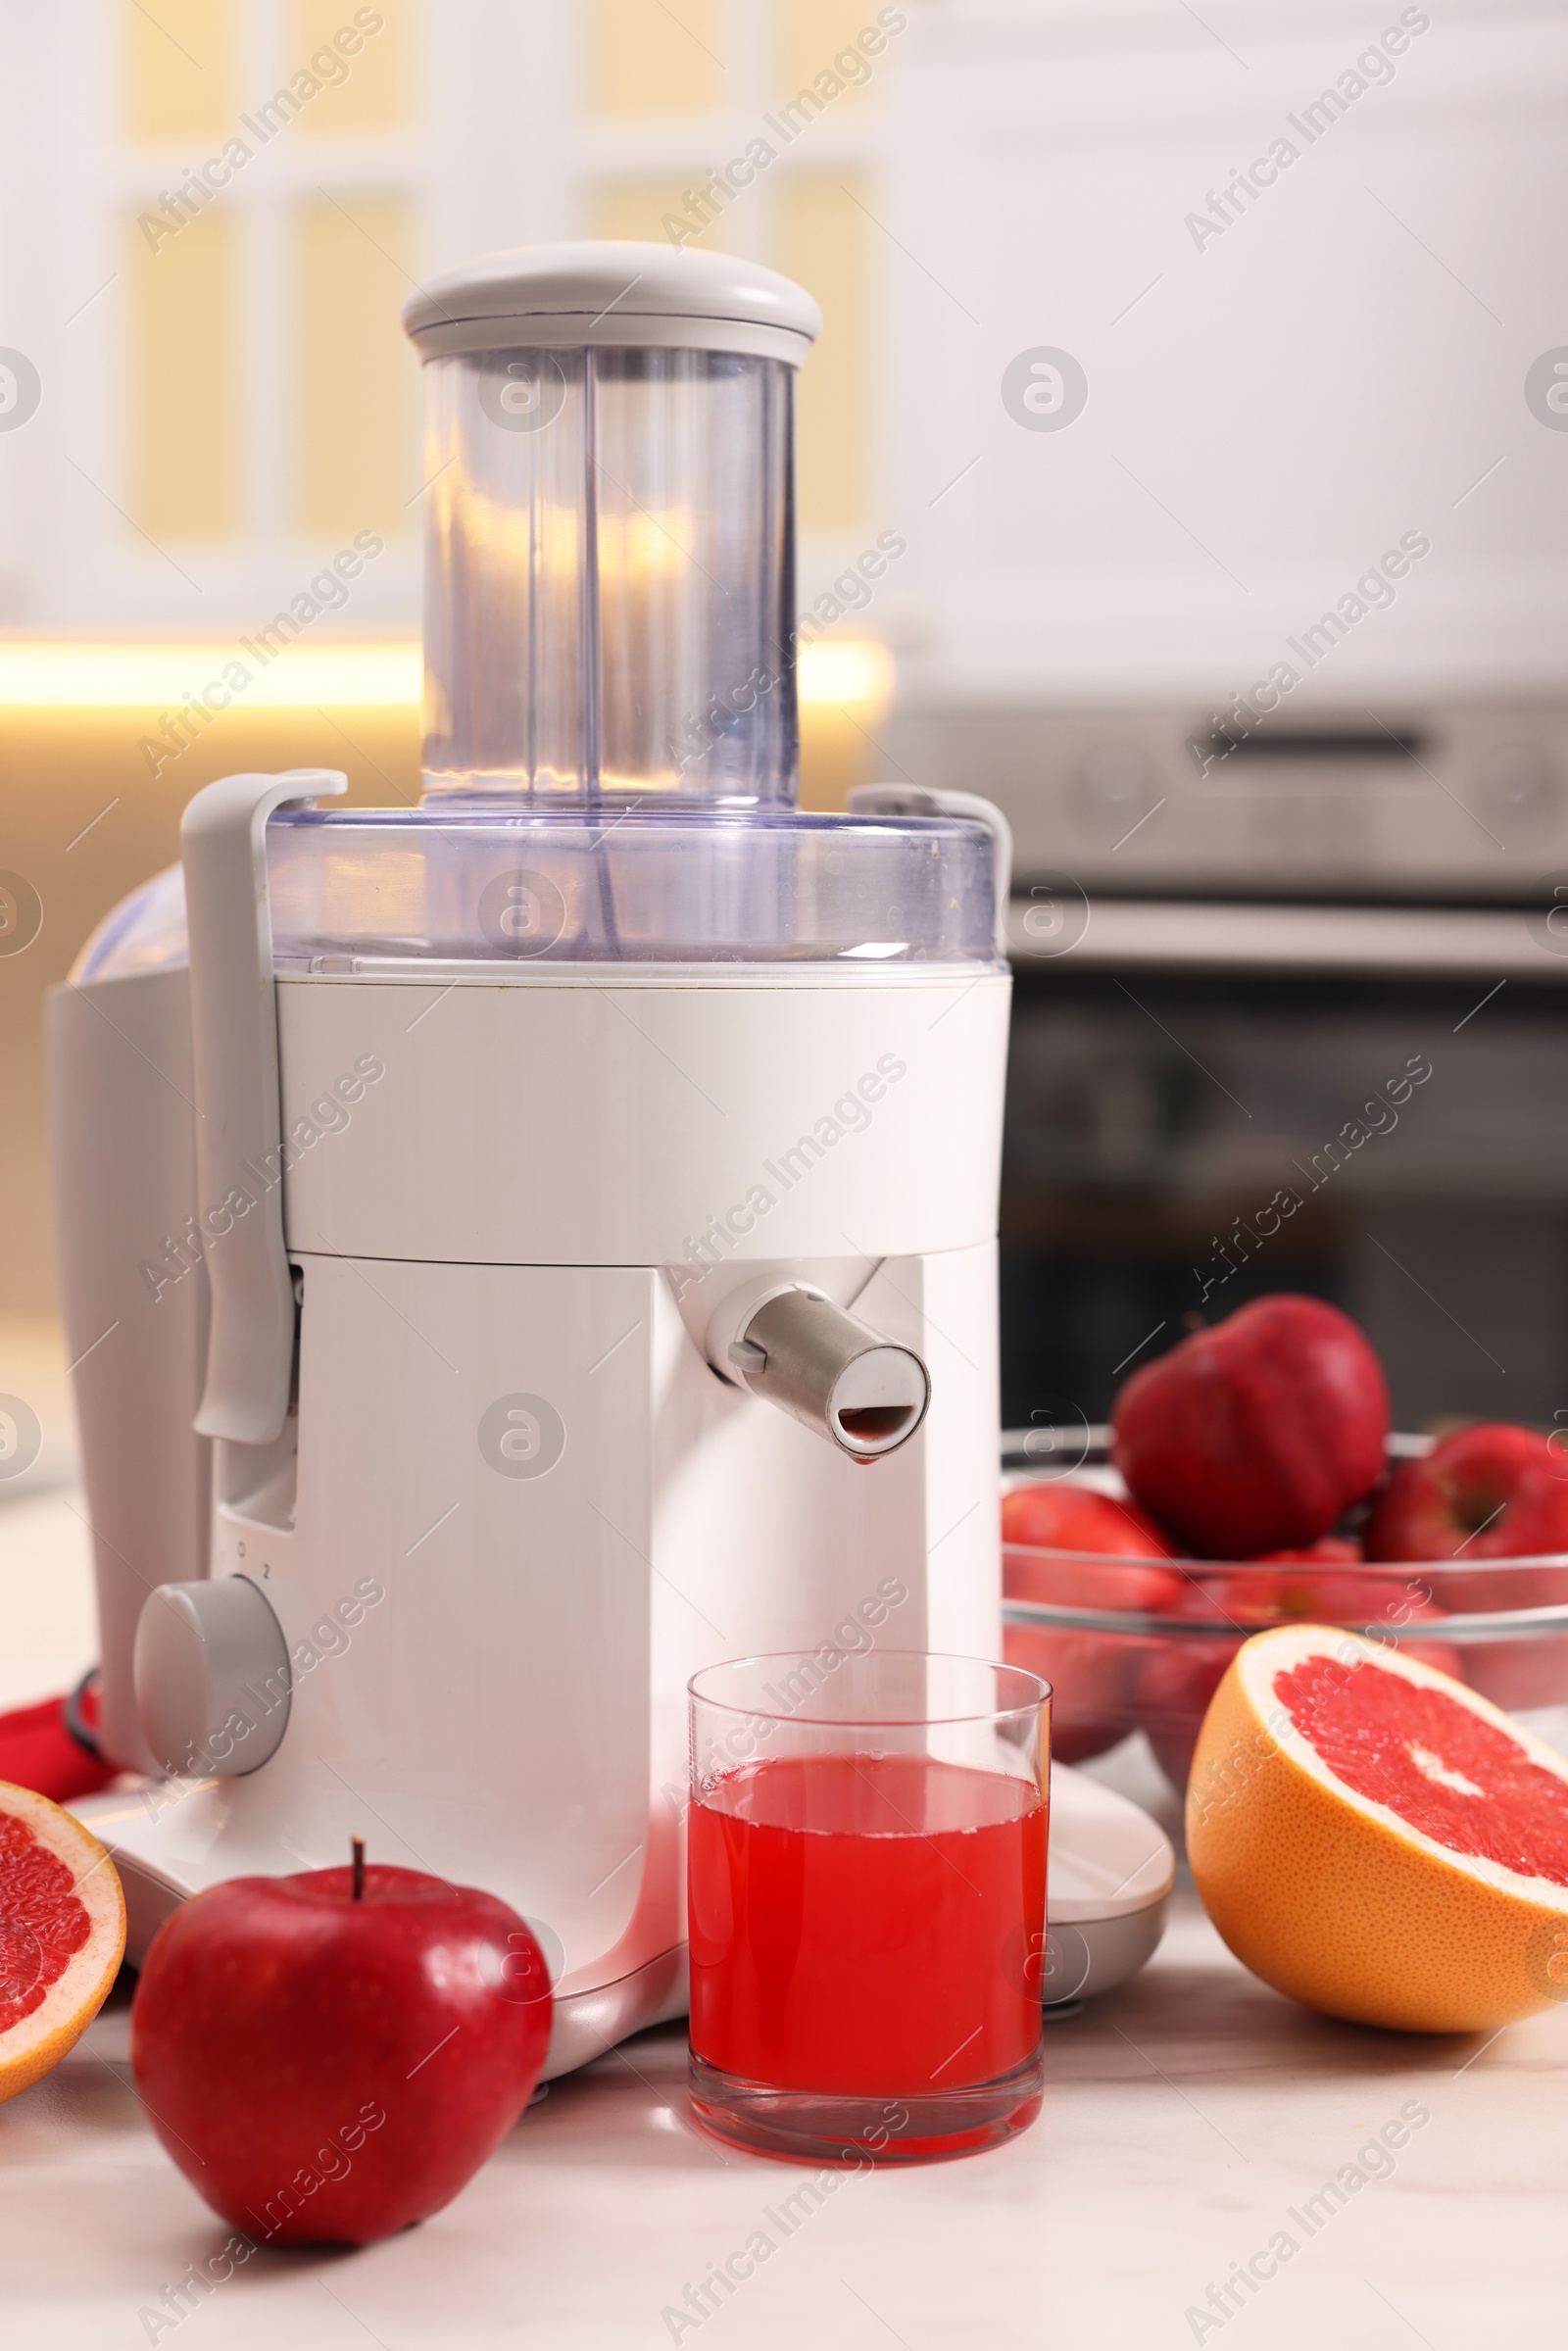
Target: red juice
866	1924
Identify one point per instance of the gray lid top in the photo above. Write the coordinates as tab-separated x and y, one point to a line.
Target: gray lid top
598	291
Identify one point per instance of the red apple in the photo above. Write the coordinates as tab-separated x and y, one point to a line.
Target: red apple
1491	1491
1325	1584
1179	1675
330	2056
1257	1434
1327	1549
1176	1679
1057	1516
1092	1675
1317	1588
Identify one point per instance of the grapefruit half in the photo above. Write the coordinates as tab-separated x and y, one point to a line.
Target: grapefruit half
62	1933
1374	1838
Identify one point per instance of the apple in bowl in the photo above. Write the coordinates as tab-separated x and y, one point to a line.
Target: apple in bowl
1072	1547
1489	1491
1259	1433
1321	1582
1492	1492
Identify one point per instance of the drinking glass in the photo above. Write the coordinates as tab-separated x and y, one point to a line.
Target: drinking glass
866	1887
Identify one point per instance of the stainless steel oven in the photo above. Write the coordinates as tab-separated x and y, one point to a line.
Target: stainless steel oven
1292	1013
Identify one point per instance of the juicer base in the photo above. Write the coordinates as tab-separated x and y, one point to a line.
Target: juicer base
134	1823
588	2022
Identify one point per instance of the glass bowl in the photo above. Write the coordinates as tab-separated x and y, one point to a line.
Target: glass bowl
1133	1645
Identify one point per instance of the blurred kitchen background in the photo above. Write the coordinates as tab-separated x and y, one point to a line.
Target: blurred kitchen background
1228	490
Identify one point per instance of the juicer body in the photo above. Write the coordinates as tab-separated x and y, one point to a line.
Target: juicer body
514	1505
545	1244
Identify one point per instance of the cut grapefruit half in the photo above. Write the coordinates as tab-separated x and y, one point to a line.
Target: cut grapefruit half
62	1933
1374	1838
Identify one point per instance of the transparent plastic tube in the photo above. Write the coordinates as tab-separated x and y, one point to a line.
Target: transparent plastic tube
609	577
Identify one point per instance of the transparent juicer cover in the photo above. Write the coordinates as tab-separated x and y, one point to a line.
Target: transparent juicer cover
612	746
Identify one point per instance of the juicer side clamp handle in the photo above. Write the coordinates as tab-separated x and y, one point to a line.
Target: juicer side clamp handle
920	799
239	1157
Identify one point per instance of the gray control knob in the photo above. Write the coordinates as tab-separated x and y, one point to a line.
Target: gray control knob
212	1678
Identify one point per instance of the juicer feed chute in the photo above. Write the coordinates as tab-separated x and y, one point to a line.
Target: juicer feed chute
610	528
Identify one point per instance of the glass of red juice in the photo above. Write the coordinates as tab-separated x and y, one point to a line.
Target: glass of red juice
866	1894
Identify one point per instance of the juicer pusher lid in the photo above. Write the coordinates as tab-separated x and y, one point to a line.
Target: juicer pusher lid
610	292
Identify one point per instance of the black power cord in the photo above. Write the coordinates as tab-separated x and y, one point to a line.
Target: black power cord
76	1722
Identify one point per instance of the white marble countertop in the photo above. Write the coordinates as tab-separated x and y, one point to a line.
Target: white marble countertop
1189	2119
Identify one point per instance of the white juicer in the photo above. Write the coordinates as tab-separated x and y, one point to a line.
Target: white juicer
541	1243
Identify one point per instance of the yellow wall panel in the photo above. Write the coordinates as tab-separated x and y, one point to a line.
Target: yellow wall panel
639	208
822	242
355	381
812	33
186	432
182	60
367	90
644	58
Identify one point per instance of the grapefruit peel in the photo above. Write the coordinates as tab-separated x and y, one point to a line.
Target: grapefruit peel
62	1934
1346	1902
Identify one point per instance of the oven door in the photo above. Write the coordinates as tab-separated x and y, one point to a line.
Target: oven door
1208	1102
